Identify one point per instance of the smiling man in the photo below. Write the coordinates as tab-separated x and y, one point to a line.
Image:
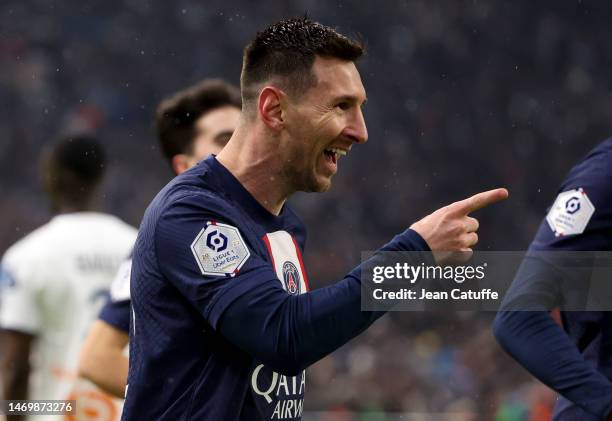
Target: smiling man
223	322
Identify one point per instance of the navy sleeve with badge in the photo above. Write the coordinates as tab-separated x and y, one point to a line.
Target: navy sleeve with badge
579	220
285	332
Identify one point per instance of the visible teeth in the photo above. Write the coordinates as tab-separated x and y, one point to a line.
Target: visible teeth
337	151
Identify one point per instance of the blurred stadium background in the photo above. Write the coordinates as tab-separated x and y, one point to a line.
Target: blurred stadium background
463	96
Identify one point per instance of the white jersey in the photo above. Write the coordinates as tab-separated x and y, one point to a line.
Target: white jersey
57	278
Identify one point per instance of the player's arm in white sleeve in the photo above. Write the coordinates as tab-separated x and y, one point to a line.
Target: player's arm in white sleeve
19	323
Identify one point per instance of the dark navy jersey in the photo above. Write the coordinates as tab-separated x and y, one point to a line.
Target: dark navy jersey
579	364
116	311
585	197
223	324
116	314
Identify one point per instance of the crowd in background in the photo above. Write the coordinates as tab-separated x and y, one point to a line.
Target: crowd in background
462	96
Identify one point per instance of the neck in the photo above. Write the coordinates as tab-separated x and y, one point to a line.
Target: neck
64	207
251	155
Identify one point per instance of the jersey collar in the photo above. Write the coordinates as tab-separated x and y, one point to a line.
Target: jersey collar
226	182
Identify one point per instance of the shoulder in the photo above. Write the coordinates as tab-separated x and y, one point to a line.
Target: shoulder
119	224
30	247
586	191
116	226
192	195
580	214
195	208
184	214
594	170
205	230
81	226
187	193
26	260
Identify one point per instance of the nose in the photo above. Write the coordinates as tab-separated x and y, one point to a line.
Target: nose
356	129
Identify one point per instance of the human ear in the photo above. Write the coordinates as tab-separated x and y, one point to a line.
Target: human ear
269	107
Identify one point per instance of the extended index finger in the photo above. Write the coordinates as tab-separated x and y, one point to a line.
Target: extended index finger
480	200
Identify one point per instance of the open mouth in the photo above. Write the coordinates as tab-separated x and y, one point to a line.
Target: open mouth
333	154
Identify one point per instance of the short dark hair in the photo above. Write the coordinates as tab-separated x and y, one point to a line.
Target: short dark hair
288	49
176	115
73	169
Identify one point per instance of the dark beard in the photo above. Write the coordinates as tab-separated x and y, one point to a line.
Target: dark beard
303	181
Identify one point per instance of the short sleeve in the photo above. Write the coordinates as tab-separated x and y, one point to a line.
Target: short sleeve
120	287
117	314
207	256
18	307
116	311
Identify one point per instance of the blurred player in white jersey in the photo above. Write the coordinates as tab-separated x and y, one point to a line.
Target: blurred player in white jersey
56	280
191	125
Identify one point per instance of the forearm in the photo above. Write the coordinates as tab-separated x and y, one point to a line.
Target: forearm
15	385
289	333
107	370
14	380
102	358
14	364
540	345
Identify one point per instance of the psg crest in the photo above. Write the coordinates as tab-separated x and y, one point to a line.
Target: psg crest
291	278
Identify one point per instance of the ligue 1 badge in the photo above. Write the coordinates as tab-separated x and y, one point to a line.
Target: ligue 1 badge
219	250
570	213
291	278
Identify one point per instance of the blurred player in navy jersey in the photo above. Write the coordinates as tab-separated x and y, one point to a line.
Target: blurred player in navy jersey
577	362
191	125
223	322
57	278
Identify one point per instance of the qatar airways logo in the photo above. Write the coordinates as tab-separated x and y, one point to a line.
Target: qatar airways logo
286	393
